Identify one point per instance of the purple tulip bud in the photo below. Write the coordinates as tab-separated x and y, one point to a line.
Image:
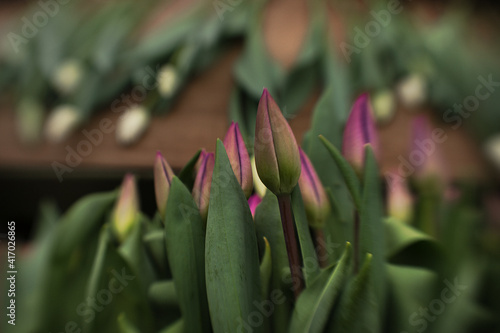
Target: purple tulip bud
313	194
203	182
163	179
239	159
276	151
359	131
253	202
126	210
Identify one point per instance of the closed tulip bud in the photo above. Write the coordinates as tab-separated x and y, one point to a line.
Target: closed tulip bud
384	106
492	149
359	131
61	122
203	182
400	200
412	91
313	194
126	211
276	152
239	159
163	179
167	80
132	124
253	202
258	185
68	76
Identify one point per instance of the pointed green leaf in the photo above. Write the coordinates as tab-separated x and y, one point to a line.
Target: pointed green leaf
315	303
163	293
231	258
185	244
266	270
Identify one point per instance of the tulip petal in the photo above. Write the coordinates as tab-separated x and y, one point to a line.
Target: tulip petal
239	158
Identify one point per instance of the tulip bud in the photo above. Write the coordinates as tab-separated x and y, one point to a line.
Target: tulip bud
359	131
492	149
400	200
132	124
313	194
253	202
30	115
167	80
412	91
276	152
67	76
203	182
126	211
239	159
61	122
384	106
163	179
258	185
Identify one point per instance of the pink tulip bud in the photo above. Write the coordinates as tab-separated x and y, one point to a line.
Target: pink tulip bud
400	201
203	182
239	158
359	131
163	179
126	210
313	194
276	152
253	202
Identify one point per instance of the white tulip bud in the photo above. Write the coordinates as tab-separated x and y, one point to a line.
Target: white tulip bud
61	122
412	90
167	80
132	124
67	76
492	148
384	105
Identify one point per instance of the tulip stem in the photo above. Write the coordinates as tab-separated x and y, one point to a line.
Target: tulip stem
292	249
356	241
319	239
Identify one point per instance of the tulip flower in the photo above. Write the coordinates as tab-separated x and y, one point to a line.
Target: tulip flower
126	211
313	194
258	185
163	179
132	124
61	122
68	76
239	159
359	131
412	91
400	201
253	202
203	182
276	152
277	160
384	106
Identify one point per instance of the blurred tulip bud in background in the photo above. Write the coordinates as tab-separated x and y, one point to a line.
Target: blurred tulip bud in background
399	200
167	80
62	121
163	179
360	130
132	124
30	114
384	105
67	76
412	91
313	194
126	210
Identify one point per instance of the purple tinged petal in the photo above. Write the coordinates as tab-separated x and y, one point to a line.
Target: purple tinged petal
253	202
163	179
276	150
313	194
203	182
360	130
239	158
126	209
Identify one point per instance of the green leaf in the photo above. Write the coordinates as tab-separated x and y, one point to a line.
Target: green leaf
154	242
356	311
231	257
176	327
347	172
187	174
163	293
125	325
371	234
266	270
400	236
82	221
308	252
185	243
315	303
